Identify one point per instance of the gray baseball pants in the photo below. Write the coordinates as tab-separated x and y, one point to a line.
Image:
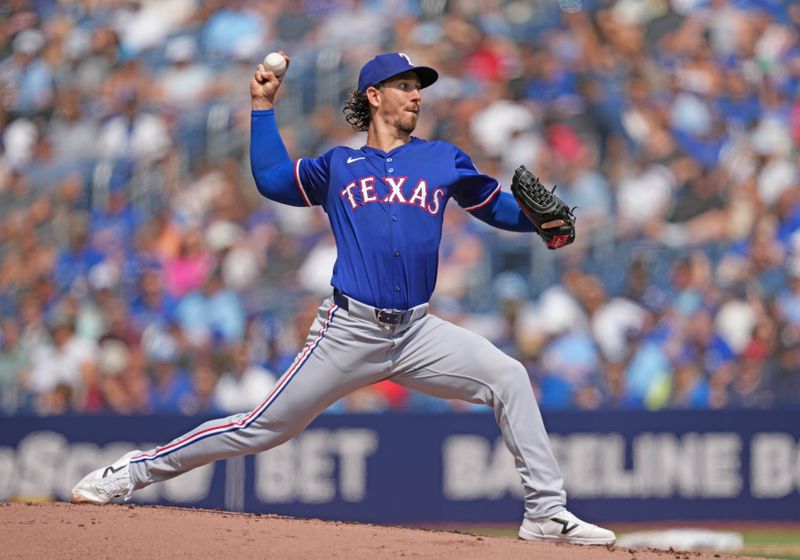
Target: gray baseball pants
347	350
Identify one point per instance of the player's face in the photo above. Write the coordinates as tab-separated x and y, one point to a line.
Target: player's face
400	102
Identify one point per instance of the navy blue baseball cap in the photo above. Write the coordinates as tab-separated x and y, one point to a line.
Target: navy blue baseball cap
384	66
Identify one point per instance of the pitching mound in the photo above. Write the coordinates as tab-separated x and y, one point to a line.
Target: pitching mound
124	531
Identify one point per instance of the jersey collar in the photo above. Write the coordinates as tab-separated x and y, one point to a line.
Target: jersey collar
380	153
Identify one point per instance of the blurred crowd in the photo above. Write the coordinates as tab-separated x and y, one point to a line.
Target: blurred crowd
140	271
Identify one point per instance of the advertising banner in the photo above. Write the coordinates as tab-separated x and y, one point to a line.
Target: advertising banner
413	468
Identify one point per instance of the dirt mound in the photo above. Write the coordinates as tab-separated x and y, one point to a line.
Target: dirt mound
61	530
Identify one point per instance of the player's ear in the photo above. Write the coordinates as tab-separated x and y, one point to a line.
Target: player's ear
373	96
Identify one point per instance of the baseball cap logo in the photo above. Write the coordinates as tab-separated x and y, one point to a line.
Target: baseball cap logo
408	58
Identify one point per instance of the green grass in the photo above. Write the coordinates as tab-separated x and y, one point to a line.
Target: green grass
772	537
774	542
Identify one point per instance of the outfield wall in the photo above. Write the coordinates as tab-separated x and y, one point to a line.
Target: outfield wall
618	466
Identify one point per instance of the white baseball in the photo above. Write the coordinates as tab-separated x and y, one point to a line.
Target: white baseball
275	63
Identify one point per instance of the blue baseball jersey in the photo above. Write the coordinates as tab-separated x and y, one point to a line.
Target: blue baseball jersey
385	208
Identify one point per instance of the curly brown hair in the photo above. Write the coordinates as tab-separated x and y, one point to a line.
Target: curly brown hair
356	111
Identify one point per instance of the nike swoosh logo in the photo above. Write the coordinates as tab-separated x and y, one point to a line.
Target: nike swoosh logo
352	159
112	470
565	524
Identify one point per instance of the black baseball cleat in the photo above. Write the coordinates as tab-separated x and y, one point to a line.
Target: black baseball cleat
103	485
565	527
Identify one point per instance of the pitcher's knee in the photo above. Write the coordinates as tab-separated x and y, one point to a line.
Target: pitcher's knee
272	434
513	378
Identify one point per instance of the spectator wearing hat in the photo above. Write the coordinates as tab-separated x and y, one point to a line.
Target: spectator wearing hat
185	83
689	387
113	359
244	382
74	261
183	91
151	304
135	132
63	370
114	220
171	389
72	132
28	76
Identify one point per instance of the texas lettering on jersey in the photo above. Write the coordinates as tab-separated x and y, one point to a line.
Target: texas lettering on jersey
364	191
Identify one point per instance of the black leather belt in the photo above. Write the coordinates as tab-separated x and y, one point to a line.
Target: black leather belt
382	316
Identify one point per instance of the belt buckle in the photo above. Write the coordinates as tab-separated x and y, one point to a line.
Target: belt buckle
389	316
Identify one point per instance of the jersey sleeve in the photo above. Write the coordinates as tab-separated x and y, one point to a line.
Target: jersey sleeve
312	177
473	190
273	171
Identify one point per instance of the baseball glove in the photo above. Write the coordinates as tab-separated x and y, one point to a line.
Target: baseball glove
542	206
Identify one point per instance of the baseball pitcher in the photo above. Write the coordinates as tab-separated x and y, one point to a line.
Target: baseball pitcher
385	203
